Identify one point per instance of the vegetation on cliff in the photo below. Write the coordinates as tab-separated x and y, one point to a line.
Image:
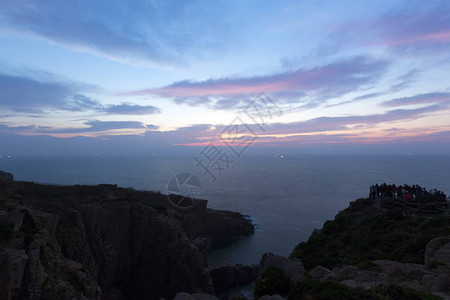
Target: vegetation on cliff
365	253
361	233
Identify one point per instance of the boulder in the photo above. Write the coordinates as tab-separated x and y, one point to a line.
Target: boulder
322	273
226	276
204	296
438	249
184	296
291	267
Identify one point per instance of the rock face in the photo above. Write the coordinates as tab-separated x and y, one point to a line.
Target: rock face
291	267
6	177
227	276
32	264
13	263
93	242
438	250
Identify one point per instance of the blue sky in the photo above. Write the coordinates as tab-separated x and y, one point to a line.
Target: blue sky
157	76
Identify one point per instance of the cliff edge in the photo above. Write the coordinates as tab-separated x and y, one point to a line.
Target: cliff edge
106	242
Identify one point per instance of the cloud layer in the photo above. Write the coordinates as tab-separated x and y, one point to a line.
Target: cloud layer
319	83
37	94
142	32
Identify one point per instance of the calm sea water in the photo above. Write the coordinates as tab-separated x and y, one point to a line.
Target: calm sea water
286	197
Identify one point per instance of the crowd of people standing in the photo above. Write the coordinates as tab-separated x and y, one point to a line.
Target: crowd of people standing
405	192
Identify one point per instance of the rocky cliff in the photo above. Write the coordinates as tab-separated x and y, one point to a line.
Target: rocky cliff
105	242
364	253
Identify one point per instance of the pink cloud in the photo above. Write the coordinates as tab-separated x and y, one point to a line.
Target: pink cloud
441	37
413	29
333	79
428	98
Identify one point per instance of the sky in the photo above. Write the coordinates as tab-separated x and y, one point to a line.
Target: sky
153	77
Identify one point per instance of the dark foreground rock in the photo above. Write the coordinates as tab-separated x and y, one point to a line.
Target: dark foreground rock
227	276
291	267
104	242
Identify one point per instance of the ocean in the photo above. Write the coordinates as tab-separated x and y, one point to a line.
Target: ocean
286	197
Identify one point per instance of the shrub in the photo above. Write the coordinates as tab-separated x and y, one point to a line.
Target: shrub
311	288
28	228
435	263
367	264
75	280
271	281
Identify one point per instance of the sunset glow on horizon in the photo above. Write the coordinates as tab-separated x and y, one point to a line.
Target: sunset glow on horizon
156	76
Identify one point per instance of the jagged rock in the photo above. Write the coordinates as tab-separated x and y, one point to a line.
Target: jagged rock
322	273
34	271
227	276
438	249
12	266
139	248
6	177
87	242
16	217
291	267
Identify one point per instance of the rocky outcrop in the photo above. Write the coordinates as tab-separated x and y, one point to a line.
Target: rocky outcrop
33	264
383	272
221	228
322	273
438	251
12	264
227	276
92	242
291	267
6	177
